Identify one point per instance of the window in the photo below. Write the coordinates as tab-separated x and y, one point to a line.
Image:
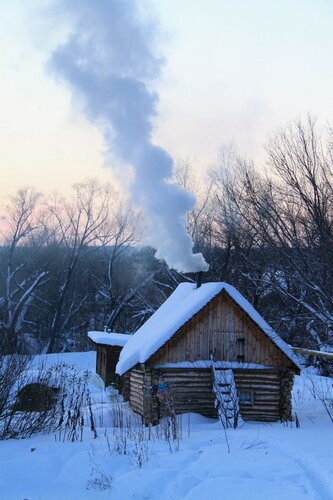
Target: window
245	398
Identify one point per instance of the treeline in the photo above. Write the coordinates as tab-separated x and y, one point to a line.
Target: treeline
271	234
70	266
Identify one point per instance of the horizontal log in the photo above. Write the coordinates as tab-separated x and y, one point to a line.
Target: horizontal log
261	418
192	402
261	411
310	352
257	373
184	387
208	370
184	371
137	379
136	399
184	379
193	397
258	389
136	395
199	395
252	387
273	382
256	377
136	371
137	387
136	374
193	388
263	406
210	412
259	400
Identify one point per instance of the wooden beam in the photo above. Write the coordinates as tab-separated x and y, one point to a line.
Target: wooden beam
310	352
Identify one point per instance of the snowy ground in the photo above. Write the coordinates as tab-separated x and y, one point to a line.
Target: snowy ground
272	461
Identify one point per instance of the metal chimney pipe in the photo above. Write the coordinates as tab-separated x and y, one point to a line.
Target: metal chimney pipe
199	279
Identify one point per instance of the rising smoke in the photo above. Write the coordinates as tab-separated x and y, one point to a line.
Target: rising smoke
108	62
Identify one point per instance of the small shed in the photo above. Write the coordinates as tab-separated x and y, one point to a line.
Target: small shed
108	346
193	329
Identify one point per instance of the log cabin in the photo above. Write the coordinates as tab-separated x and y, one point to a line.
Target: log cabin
108	346
197	329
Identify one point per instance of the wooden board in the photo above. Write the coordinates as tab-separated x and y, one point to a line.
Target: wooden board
191	391
223	330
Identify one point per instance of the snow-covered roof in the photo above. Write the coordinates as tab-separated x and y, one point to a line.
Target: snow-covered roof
183	303
106	338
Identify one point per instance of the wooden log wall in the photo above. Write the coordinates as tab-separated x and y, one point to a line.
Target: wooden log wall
136	390
142	394
191	391
264	385
224	330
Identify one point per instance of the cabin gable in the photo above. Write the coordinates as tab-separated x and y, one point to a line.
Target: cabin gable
224	330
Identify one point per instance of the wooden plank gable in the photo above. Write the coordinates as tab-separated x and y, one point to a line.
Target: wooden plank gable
224	330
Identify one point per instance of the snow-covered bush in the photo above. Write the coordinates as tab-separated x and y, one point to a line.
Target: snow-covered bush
26	407
322	389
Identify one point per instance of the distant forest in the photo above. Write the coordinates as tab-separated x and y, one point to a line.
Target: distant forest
67	266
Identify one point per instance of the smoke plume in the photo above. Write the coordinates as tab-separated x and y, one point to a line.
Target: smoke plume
108	62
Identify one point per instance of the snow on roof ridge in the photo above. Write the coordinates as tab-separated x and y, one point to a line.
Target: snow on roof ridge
181	305
103	332
109	338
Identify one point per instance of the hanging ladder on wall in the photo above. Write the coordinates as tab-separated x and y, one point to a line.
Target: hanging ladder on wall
226	397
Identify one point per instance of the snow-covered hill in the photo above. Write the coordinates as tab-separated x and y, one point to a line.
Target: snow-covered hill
275	461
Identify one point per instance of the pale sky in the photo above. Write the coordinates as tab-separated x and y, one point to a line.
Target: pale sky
235	70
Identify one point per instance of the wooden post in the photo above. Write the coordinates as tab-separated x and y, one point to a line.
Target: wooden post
155	403
147	396
125	386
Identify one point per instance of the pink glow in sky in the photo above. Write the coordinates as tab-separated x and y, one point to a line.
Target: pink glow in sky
234	71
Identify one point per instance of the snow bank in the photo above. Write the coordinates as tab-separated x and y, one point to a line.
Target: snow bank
179	308
275	461
105	338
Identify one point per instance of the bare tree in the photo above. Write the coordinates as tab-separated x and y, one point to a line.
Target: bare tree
277	230
22	274
84	225
301	156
